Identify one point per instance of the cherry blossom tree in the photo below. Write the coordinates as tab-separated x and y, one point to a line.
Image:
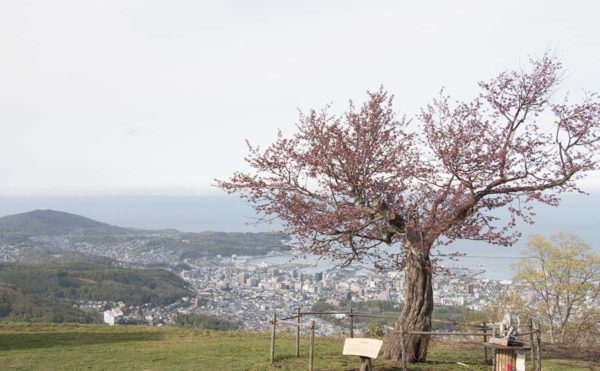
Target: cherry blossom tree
346	186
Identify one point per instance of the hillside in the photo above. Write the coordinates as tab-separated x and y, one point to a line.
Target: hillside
46	291
76	347
93	281
51	222
39	234
17	306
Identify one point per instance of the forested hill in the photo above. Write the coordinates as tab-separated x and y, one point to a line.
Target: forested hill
45	291
79	280
51	222
35	235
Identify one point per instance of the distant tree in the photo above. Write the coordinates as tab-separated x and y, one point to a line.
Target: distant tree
376	329
322	306
501	304
344	186
206	322
564	274
585	330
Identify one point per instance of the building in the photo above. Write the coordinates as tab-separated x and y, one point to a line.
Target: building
242	277
113	316
469	289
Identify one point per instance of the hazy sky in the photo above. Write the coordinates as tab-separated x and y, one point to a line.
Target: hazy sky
156	97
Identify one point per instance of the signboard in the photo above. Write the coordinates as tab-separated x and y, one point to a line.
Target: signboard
362	347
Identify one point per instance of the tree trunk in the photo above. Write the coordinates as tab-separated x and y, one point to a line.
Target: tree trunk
417	309
552	331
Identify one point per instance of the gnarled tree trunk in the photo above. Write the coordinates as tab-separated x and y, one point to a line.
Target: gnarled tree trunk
417	309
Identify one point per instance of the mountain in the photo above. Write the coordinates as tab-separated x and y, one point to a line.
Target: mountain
40	234
51	222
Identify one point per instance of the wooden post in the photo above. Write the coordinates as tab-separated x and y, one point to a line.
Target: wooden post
532	342
274	322
365	364
403	349
298	334
538	347
351	322
485	339
311	355
494	349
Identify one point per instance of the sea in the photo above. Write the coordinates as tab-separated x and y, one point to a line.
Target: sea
494	267
578	213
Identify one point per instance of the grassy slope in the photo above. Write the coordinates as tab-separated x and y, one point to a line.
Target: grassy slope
95	347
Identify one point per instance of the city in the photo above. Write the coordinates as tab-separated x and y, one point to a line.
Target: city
248	290
238	289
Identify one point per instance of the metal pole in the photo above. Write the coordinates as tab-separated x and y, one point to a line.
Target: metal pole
311	356
274	322
351	322
298	334
485	339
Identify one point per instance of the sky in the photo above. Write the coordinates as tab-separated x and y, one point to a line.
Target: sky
147	98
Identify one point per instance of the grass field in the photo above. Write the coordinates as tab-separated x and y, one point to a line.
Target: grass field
32	346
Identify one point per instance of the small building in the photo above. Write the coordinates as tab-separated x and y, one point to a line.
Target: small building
113	316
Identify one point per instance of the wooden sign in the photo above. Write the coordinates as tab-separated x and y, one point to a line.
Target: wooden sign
362	347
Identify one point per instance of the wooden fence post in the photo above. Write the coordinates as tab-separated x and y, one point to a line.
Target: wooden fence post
493	349
403	349
298	334
351	322
532	342
311	355
485	339
539	347
274	321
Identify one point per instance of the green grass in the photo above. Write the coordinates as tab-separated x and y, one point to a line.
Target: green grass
32	346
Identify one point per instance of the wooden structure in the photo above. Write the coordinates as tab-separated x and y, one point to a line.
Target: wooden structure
534	334
366	349
311	350
520	349
508	357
